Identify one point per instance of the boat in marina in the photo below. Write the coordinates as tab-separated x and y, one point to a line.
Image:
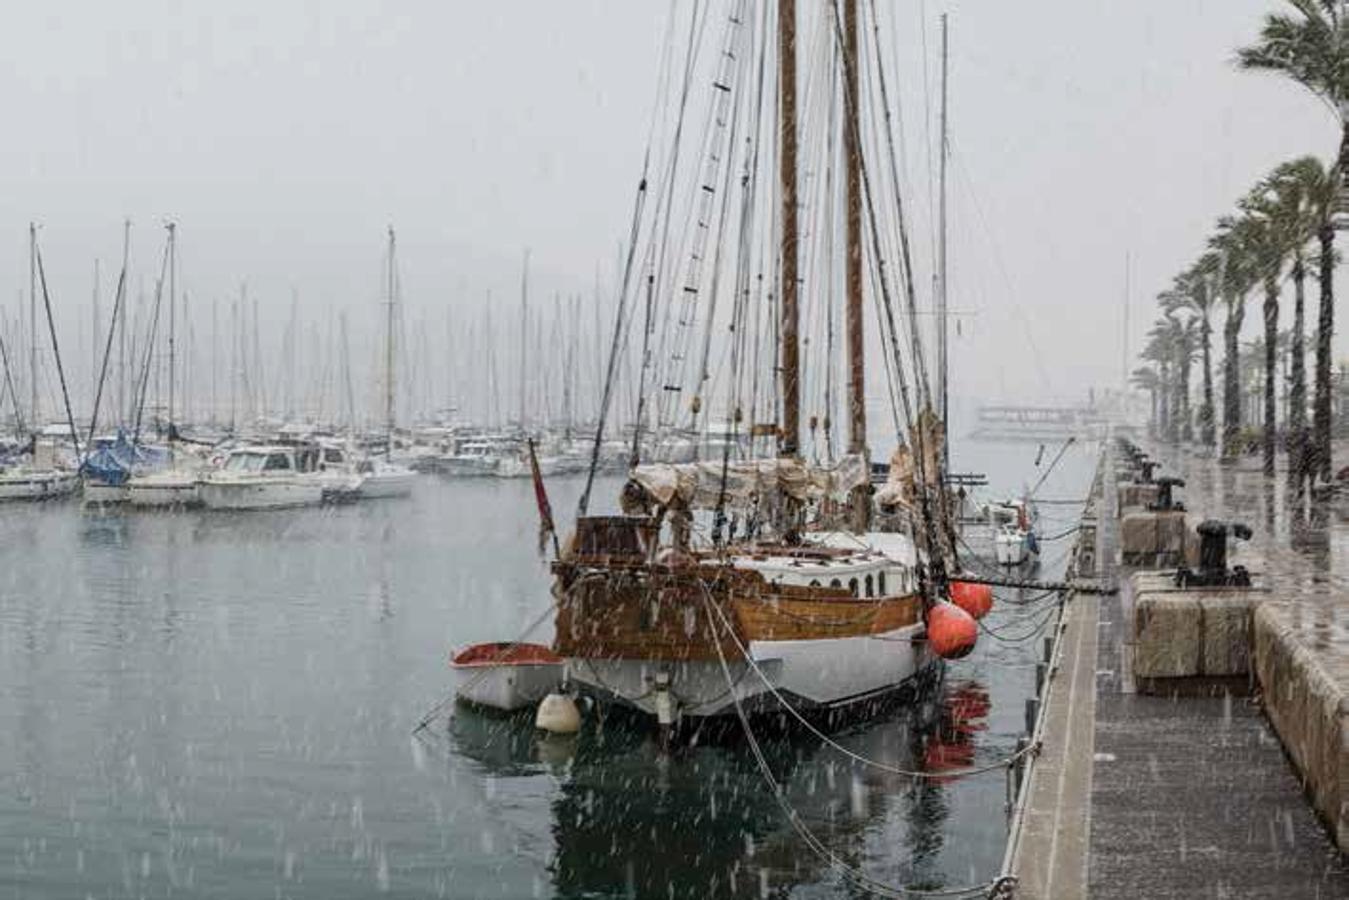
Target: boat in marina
505	675
265	477
43	476
379	478
1014	539
175	486
29	483
742	577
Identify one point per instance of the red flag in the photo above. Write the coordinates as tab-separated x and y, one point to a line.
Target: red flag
545	508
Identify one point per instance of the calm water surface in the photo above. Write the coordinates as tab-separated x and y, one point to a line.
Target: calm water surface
200	704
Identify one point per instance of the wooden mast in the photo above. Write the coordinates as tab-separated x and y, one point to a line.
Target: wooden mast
791	366
943	365
860	517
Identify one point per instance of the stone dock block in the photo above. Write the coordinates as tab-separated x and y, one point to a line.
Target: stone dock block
1136	496
1190	632
1168	631
1306	697
1153	539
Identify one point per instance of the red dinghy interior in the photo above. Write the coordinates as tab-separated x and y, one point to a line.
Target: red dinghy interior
506	653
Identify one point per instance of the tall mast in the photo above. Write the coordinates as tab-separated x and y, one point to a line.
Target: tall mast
791	366
942	365
122	408
388	354
97	330
524	334
857	404
173	306
32	328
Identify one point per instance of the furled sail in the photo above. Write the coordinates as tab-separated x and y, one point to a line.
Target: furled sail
700	485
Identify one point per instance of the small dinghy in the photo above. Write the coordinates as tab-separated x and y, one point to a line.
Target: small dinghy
505	675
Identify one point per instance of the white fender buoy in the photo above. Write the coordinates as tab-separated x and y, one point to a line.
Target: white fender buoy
557	714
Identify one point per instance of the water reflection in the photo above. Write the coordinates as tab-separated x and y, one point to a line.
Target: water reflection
629	819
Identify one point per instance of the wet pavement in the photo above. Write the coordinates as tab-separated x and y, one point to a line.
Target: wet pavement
1188	796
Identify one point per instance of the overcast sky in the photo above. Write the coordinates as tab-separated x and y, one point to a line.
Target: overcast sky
284	137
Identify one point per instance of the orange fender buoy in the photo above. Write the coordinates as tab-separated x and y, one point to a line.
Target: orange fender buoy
975	599
951	631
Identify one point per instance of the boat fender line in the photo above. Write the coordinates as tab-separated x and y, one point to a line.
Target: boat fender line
1030	749
845	870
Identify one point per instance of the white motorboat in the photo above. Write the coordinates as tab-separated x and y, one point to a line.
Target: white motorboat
380	478
25	483
264	477
505	675
1014	541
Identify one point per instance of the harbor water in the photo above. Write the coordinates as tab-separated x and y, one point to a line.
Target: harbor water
197	704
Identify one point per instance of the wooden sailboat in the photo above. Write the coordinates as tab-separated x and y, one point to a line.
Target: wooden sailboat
815	606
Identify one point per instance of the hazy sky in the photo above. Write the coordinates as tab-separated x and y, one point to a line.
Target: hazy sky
284	137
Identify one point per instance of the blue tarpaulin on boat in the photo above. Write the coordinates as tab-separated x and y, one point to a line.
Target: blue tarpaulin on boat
112	461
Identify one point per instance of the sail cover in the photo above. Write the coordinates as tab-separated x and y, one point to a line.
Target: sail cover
699	485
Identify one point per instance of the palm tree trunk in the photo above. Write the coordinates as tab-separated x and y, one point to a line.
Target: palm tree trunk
1297	394
1231	385
1325	328
1206	412
1186	430
1271	310
1164	413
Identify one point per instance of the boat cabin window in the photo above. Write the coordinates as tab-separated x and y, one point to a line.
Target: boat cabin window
852	586
836	583
332	455
870	587
245	463
814	582
880	584
277	462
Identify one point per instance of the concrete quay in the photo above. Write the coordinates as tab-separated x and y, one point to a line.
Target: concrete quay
1194	743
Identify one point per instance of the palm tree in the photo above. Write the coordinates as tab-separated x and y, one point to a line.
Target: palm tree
1161	350
1145	378
1181	337
1270	211
1194	285
1311	46
1234	279
1306	193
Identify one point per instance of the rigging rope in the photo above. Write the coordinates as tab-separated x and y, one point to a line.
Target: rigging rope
847	871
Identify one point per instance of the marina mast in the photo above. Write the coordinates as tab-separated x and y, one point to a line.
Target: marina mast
855	335
388	355
791	364
943	369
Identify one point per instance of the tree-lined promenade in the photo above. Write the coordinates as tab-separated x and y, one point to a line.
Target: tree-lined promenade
1279	239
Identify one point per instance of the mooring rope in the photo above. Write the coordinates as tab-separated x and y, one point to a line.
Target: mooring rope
830	742
849	872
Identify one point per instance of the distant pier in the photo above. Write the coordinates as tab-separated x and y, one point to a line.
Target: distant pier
1193	741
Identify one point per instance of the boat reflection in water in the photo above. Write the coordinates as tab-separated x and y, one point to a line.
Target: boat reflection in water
698	819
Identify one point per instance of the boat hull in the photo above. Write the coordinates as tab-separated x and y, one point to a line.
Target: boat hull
242	495
387	484
155	493
36	485
97	494
814	676
625	630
